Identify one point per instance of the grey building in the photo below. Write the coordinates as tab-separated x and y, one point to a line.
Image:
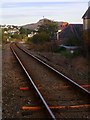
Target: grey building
86	19
86	29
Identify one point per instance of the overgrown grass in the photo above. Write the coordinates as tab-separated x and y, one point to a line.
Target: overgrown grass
67	53
47	47
51	47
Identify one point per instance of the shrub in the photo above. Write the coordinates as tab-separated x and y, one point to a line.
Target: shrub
40	38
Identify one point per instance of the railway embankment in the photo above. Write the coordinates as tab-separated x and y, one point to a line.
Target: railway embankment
16	92
76	68
14	78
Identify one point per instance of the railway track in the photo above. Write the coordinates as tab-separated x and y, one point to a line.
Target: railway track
64	97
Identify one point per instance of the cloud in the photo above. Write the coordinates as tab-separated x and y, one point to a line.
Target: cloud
36	4
44	1
24	12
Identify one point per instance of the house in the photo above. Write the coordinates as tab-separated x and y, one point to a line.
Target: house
71	31
32	34
13	31
71	38
61	26
86	19
86	29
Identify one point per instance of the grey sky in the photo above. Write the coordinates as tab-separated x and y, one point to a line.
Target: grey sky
19	12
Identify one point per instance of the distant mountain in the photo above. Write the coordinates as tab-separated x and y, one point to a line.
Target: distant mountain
34	26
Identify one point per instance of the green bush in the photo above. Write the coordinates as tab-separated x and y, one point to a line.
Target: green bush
40	38
50	27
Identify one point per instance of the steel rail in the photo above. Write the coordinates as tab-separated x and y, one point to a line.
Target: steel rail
59	73
40	95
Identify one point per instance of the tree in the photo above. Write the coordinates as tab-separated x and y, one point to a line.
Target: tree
23	31
49	27
40	38
16	36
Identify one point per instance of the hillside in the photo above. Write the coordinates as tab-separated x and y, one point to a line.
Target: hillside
34	26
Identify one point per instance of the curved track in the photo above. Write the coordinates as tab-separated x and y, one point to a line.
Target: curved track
61	80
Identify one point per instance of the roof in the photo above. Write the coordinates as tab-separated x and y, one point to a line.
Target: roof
70	30
69	47
87	14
